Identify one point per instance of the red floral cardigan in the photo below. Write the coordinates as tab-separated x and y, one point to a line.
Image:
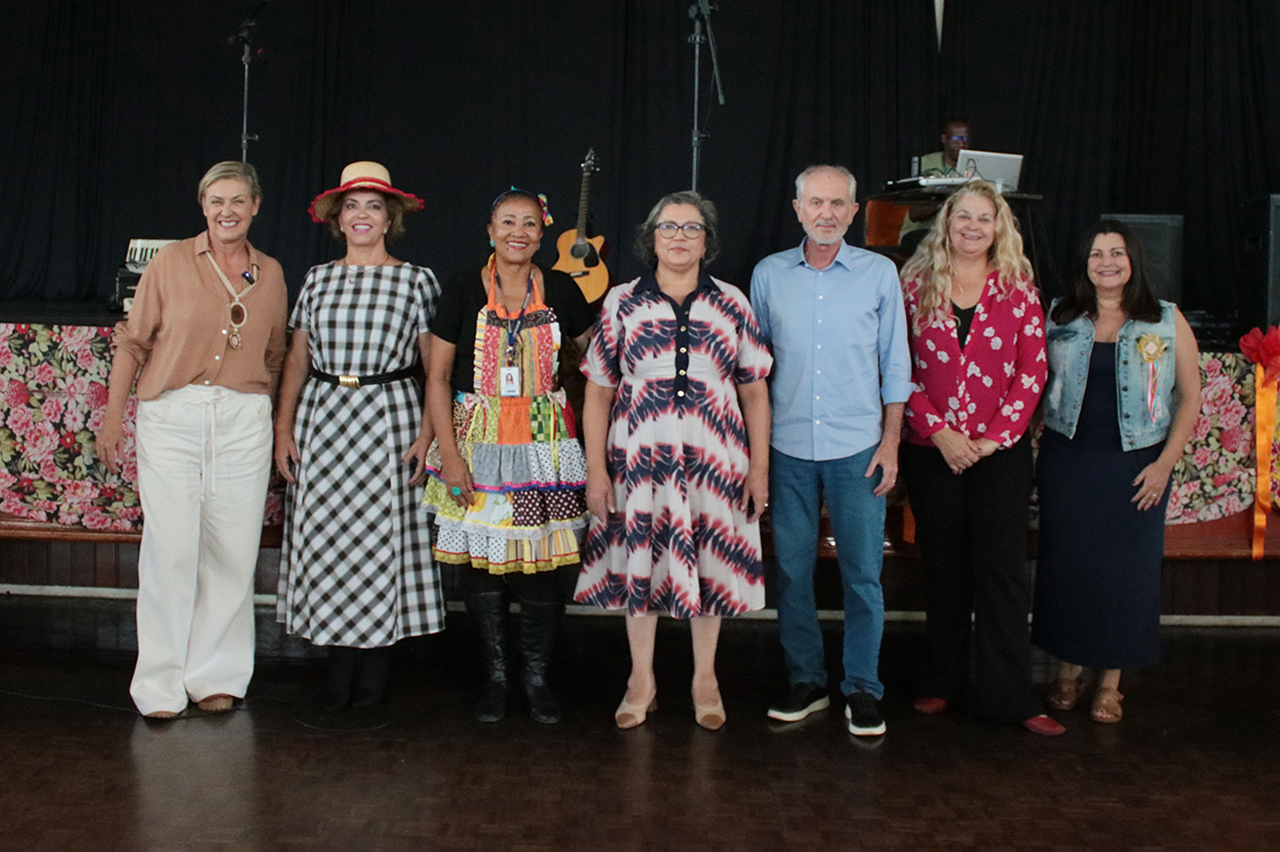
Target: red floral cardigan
992	387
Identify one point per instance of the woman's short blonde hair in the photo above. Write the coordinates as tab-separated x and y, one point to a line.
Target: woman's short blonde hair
931	266
231	169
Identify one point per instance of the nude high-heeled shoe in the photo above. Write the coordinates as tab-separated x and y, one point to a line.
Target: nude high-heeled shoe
631	715
710	717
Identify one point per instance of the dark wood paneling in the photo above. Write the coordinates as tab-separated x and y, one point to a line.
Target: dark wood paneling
127	566
1190	586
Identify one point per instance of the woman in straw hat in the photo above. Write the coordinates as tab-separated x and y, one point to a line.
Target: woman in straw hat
507	482
207	332
352	434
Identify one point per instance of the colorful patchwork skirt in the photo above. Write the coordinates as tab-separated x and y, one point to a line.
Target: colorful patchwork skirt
530	476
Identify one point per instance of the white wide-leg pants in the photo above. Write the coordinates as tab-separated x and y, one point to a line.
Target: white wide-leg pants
204	457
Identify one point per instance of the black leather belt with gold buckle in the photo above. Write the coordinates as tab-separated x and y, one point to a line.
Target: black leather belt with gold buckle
362	381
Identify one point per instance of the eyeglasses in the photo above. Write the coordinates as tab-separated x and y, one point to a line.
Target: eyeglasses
958	138
692	230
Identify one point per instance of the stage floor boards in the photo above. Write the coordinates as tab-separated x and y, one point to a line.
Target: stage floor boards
1193	766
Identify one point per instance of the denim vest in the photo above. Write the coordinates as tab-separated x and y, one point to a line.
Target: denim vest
1069	349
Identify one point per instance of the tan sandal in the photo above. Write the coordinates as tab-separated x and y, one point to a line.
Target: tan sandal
219	703
1065	693
1106	705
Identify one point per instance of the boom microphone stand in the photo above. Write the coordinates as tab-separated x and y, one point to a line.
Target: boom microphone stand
700	13
244	37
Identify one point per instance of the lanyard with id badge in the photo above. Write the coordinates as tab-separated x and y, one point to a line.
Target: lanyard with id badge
509	372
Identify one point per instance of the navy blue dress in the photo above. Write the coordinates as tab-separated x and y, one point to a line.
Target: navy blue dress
1097	594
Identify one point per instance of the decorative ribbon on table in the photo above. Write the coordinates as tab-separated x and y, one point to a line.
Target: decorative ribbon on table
1263	350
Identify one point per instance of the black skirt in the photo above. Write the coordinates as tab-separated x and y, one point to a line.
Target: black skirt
1097	592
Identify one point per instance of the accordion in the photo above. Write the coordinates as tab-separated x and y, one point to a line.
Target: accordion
136	259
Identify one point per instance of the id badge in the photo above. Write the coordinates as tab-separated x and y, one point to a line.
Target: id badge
509	381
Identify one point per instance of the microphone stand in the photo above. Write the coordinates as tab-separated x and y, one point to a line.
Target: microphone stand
700	13
244	37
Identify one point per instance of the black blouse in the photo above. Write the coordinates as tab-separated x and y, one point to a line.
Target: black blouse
463	297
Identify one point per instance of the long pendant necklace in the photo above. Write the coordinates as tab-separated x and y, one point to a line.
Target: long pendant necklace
239	313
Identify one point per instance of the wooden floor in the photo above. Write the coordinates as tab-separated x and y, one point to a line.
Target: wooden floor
1193	766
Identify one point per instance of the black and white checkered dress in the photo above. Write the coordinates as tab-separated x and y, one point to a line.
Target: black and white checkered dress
355	565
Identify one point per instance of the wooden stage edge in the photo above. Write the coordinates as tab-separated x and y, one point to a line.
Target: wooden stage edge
1225	538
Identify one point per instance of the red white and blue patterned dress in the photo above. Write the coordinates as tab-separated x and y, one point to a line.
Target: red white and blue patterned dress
677	453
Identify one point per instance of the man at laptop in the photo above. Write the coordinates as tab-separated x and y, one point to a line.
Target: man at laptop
954	136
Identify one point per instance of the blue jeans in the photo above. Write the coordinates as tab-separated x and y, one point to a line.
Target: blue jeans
857	519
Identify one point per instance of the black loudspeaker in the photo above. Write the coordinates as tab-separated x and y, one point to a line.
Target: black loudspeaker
1161	235
1260	261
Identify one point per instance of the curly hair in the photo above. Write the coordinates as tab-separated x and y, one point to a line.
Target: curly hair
396	208
931	266
710	221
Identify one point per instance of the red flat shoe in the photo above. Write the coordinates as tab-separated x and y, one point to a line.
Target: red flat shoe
929	704
1044	726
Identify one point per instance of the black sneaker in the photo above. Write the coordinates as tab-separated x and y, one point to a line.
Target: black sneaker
803	699
863	715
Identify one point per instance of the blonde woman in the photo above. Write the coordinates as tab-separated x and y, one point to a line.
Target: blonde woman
205	340
978	369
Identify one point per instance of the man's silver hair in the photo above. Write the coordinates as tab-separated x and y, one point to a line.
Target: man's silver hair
840	170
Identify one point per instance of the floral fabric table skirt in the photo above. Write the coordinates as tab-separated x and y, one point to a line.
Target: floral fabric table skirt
1217	475
54	384
53	394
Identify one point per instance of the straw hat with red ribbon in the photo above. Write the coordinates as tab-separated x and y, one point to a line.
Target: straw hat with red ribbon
364	174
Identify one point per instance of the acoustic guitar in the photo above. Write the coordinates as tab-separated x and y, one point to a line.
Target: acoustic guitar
580	255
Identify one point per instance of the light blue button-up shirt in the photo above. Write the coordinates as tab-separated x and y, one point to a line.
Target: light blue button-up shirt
839	339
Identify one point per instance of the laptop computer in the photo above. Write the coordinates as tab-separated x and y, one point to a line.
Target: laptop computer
1001	169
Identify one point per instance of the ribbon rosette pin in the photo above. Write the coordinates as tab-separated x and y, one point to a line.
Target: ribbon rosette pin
1152	348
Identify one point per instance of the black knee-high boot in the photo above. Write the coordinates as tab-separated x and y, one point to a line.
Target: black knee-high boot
538	622
373	669
488	611
340	674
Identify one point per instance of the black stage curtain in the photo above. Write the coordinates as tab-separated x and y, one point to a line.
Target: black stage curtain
1160	106
117	108
114	108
